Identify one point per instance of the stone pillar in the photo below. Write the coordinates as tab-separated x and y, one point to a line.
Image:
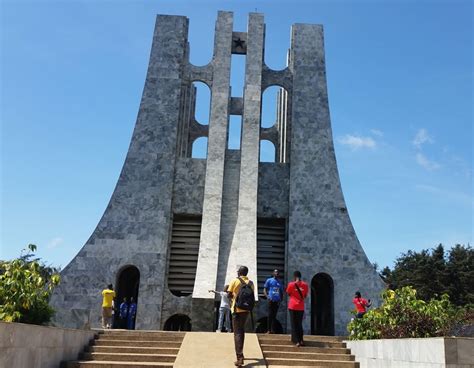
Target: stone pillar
321	238
206	274
244	245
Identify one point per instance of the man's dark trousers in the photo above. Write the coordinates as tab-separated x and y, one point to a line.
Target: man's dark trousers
272	312
238	322
296	319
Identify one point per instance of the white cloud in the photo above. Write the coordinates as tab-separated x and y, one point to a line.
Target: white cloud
421	137
55	242
426	163
450	195
356	142
376	132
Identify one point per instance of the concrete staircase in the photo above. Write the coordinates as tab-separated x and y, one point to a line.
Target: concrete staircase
319	351
135	349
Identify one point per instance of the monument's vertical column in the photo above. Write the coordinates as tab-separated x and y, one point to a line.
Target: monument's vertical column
244	245
206	273
321	237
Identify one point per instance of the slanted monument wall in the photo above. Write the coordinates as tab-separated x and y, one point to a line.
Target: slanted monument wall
184	225
23	345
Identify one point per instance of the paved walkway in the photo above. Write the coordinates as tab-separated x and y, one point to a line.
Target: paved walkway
216	350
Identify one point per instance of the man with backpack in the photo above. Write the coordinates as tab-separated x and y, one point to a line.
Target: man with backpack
273	291
241	292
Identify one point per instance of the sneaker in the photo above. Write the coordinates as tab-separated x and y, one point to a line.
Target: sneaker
218	331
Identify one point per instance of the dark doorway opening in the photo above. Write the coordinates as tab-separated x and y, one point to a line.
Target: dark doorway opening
322	305
178	322
128	281
262	326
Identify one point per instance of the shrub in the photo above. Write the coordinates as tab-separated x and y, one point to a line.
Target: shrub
402	315
25	288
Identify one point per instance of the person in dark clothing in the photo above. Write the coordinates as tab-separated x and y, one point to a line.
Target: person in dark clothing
273	291
297	292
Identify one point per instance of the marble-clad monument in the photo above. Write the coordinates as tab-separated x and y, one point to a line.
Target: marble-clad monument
177	226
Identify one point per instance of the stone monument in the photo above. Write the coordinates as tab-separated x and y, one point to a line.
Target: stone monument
177	226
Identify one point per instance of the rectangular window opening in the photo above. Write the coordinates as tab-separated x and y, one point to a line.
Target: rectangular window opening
271	240
184	253
237	75
234	135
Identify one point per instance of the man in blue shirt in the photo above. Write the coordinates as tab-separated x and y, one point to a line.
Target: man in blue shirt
273	291
132	312
123	313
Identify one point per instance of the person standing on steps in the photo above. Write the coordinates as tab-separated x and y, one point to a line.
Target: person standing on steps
360	304
273	291
297	292
242	293
123	313
224	309
132	313
108	296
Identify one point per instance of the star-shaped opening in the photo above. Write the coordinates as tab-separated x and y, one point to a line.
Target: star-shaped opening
239	43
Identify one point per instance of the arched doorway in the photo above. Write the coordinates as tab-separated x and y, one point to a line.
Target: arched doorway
322	305
128	281
178	322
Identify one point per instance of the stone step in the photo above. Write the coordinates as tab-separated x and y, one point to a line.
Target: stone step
307	355
287	341
120	357
131	349
305	337
290	348
139	333
141	343
310	363
105	364
140	337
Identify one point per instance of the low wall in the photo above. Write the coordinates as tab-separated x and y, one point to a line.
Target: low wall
437	352
23	345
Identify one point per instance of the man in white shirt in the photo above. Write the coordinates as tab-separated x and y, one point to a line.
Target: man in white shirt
224	309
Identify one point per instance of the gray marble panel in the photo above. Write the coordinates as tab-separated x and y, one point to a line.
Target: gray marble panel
321	236
135	226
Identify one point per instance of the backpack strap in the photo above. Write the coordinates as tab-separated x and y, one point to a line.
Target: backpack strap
245	283
299	291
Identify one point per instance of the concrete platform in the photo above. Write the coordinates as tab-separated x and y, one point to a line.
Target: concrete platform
216	350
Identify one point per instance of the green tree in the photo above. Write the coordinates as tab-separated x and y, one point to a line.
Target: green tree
25	287
436	272
403	315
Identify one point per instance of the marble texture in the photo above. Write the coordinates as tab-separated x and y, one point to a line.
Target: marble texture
23	345
230	189
437	352
321	238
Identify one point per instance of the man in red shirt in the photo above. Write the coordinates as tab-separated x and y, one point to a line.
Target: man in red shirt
361	304
297	292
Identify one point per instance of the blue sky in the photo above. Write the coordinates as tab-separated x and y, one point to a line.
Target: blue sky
400	82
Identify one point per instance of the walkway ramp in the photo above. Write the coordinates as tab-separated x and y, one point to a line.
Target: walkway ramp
216	350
